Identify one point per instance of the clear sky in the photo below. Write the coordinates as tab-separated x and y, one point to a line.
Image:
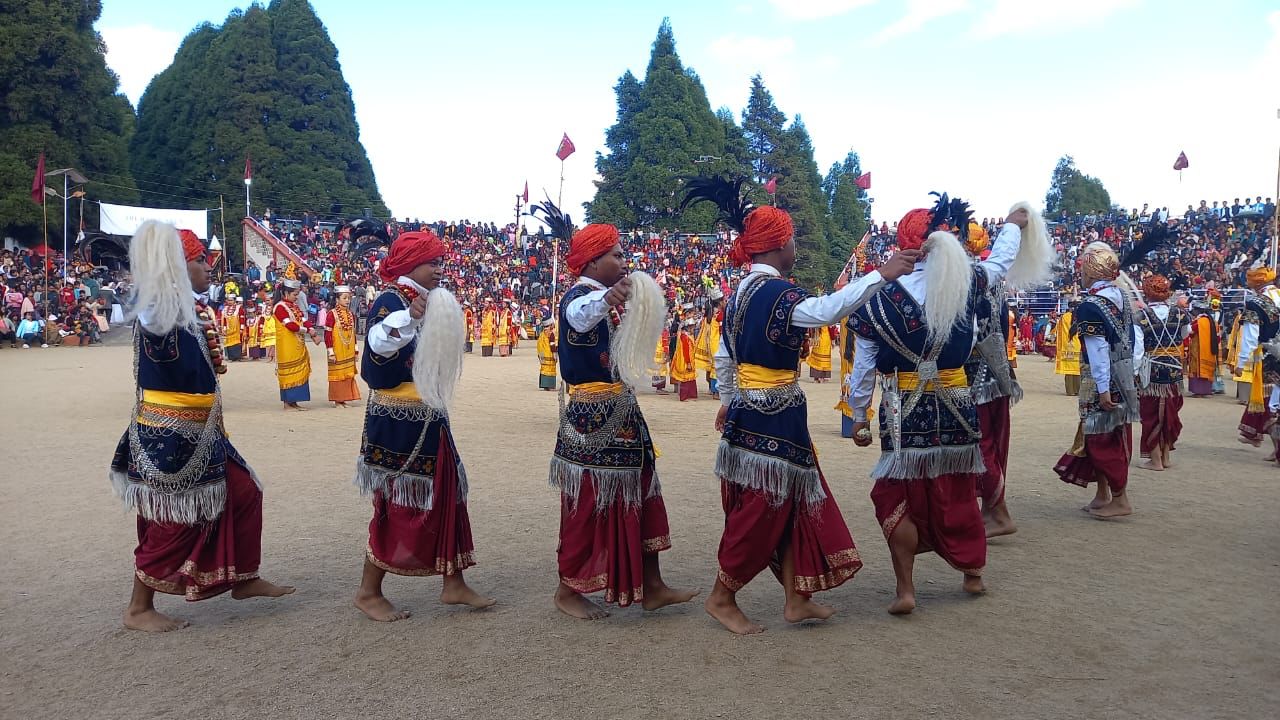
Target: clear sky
460	102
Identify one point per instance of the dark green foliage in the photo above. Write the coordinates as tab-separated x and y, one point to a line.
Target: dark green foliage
846	204
266	84
58	96
665	130
1074	192
786	152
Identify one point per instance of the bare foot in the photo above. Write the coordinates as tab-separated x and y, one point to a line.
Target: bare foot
973	585
731	617
806	609
379	608
664	596
575	605
903	604
258	587
1097	503
152	620
1118	507
464	595
1152	465
998	521
997	528
294	406
1247	441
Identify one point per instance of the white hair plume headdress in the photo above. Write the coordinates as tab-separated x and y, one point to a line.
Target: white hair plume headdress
437	358
631	344
1032	265
162	298
948	279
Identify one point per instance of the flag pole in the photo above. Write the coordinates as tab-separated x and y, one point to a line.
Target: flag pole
555	250
44	260
65	257
1275	221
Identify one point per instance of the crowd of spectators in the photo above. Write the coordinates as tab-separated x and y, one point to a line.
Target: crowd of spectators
41	308
1212	245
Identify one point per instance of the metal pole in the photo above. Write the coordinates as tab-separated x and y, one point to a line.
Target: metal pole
1275	220
44	260
65	257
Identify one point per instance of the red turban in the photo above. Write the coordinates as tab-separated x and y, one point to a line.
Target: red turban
913	229
588	244
409	251
766	229
192	248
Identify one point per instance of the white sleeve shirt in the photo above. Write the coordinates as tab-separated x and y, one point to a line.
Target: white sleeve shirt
585	312
812	312
1099	352
380	338
1248	342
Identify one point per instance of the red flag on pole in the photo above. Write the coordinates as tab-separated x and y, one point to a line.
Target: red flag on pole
1181	163
566	147
771	187
526	192
248	168
37	183
863	181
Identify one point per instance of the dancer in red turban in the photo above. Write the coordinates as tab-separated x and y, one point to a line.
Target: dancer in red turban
613	521
779	512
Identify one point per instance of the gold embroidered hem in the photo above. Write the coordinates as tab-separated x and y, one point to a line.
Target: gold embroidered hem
658	544
891	523
460	562
833	578
206	585
594	584
729	581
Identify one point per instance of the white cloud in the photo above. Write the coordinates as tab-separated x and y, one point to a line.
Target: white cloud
817	9
137	53
752	50
1010	16
918	13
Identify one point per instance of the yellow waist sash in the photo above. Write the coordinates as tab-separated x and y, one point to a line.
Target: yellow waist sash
403	391
1167	352
177	399
951	378
758	377
597	387
158	404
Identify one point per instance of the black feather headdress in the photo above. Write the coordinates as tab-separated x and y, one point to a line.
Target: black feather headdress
365	236
560	224
1154	237
951	213
725	193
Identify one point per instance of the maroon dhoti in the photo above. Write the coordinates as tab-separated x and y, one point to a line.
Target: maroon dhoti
604	549
411	541
688	390
1095	458
1161	425
821	547
1255	425
993	420
945	512
207	559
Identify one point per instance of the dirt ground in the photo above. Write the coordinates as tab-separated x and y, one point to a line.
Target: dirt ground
1172	613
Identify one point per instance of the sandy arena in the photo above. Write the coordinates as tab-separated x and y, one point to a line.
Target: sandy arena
1172	613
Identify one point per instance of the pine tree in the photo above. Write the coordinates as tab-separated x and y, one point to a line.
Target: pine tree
58	97
1072	192
847	207
661	132
266	85
776	150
